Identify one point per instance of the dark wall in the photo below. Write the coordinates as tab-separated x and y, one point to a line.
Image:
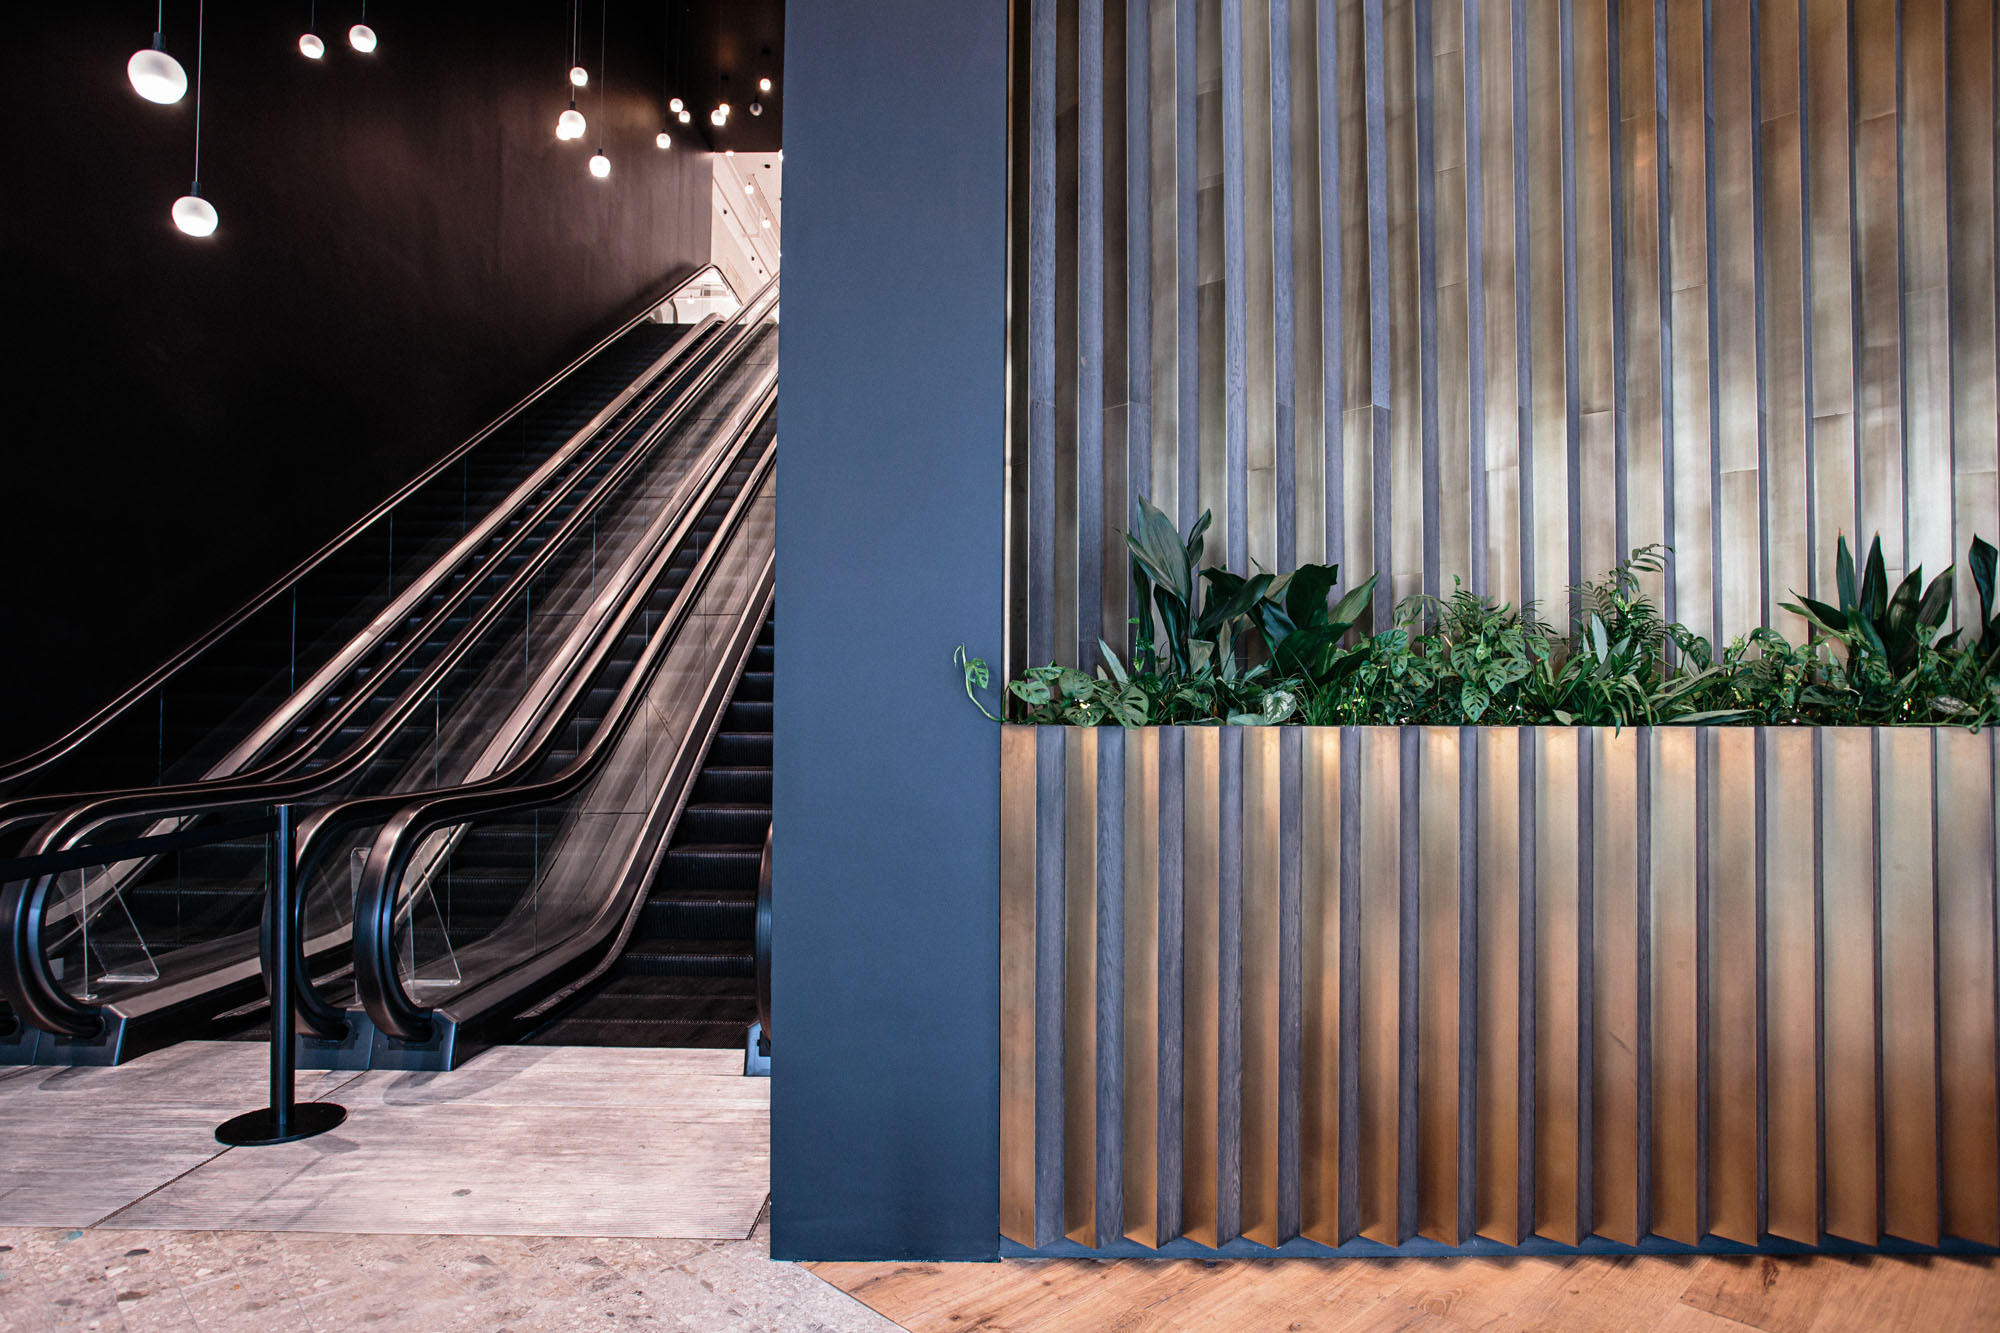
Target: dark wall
405	249
884	1136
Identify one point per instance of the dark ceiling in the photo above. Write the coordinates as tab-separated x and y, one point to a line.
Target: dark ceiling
726	46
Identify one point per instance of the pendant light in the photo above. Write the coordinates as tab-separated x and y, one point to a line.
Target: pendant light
192	213
310	46
579	76
155	75
570	124
663	139
600	165
362	37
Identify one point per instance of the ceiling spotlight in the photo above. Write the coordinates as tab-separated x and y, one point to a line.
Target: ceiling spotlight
756	108
156	76
683	115
569	125
361	37
675	105
600	165
663	139
311	47
763	85
195	215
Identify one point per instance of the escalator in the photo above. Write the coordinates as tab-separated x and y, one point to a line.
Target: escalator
133	913
687	974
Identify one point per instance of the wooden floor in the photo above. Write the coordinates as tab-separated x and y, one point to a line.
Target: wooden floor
1315	1296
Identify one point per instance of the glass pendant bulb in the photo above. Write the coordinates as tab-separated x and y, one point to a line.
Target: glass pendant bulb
718	117
756	108
674	104
579	76
684	116
763	85
663	139
195	215
600	165
570	124
311	47
361	37
157	76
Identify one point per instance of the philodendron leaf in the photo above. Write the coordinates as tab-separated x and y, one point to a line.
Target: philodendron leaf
1306	593
1348	611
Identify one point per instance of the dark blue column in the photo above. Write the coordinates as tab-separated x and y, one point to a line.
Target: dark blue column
892	415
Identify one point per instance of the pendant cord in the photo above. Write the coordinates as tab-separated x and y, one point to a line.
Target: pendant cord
200	35
160	21
605	9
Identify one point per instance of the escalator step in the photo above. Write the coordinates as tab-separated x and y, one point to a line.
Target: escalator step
716	915
719	822
707	867
741	748
741	785
689	958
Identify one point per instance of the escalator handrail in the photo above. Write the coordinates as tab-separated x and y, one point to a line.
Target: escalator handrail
15	771
590	647
380	988
24	978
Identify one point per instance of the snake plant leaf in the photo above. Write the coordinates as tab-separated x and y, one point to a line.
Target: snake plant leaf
1874	583
1984	558
1936	605
1843	574
1828	618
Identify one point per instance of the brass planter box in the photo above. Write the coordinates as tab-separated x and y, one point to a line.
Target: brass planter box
1464	988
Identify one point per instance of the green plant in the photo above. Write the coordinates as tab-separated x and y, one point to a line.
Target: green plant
1869	621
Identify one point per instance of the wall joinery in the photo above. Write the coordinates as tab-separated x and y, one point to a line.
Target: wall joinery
1502	291
1322	989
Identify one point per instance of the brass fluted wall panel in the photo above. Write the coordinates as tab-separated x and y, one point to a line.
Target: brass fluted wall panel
1435	288
1442	984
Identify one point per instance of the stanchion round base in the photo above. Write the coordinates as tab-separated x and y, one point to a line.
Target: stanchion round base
259	1128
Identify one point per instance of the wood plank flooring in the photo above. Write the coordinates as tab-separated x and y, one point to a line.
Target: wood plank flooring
1819	1295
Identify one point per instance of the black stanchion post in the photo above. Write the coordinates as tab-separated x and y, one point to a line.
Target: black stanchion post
286	1119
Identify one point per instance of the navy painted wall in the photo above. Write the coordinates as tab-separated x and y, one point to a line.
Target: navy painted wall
892	412
405	250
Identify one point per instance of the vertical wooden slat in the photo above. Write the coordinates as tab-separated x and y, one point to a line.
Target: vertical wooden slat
1596	484
1970	1109
1441	974
1079	962
1109	965
1407	504
1787	470
1497	1198
1548	437
1170	1100
1828	105
1017	984
1260	284
1907	866
1200	1072
1375	119
1143	1038
1332	291
1291	982
1069	413
1847	943
1732	1006
1614	993
1231	814
1733	308
1685	197
1500	425
1321	1049
1284	371
1791	952
1139	266
1677	1038
1187	301
1423	115
1878	306
1261	983
1559	945
1924	280
1235	279
1642	282
1380	836
1461	372
1975	356
1090	331
1041	569
1051	981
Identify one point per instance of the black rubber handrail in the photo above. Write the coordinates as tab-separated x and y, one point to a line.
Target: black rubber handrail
379	987
319	831
24	978
20	810
17	770
763	946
